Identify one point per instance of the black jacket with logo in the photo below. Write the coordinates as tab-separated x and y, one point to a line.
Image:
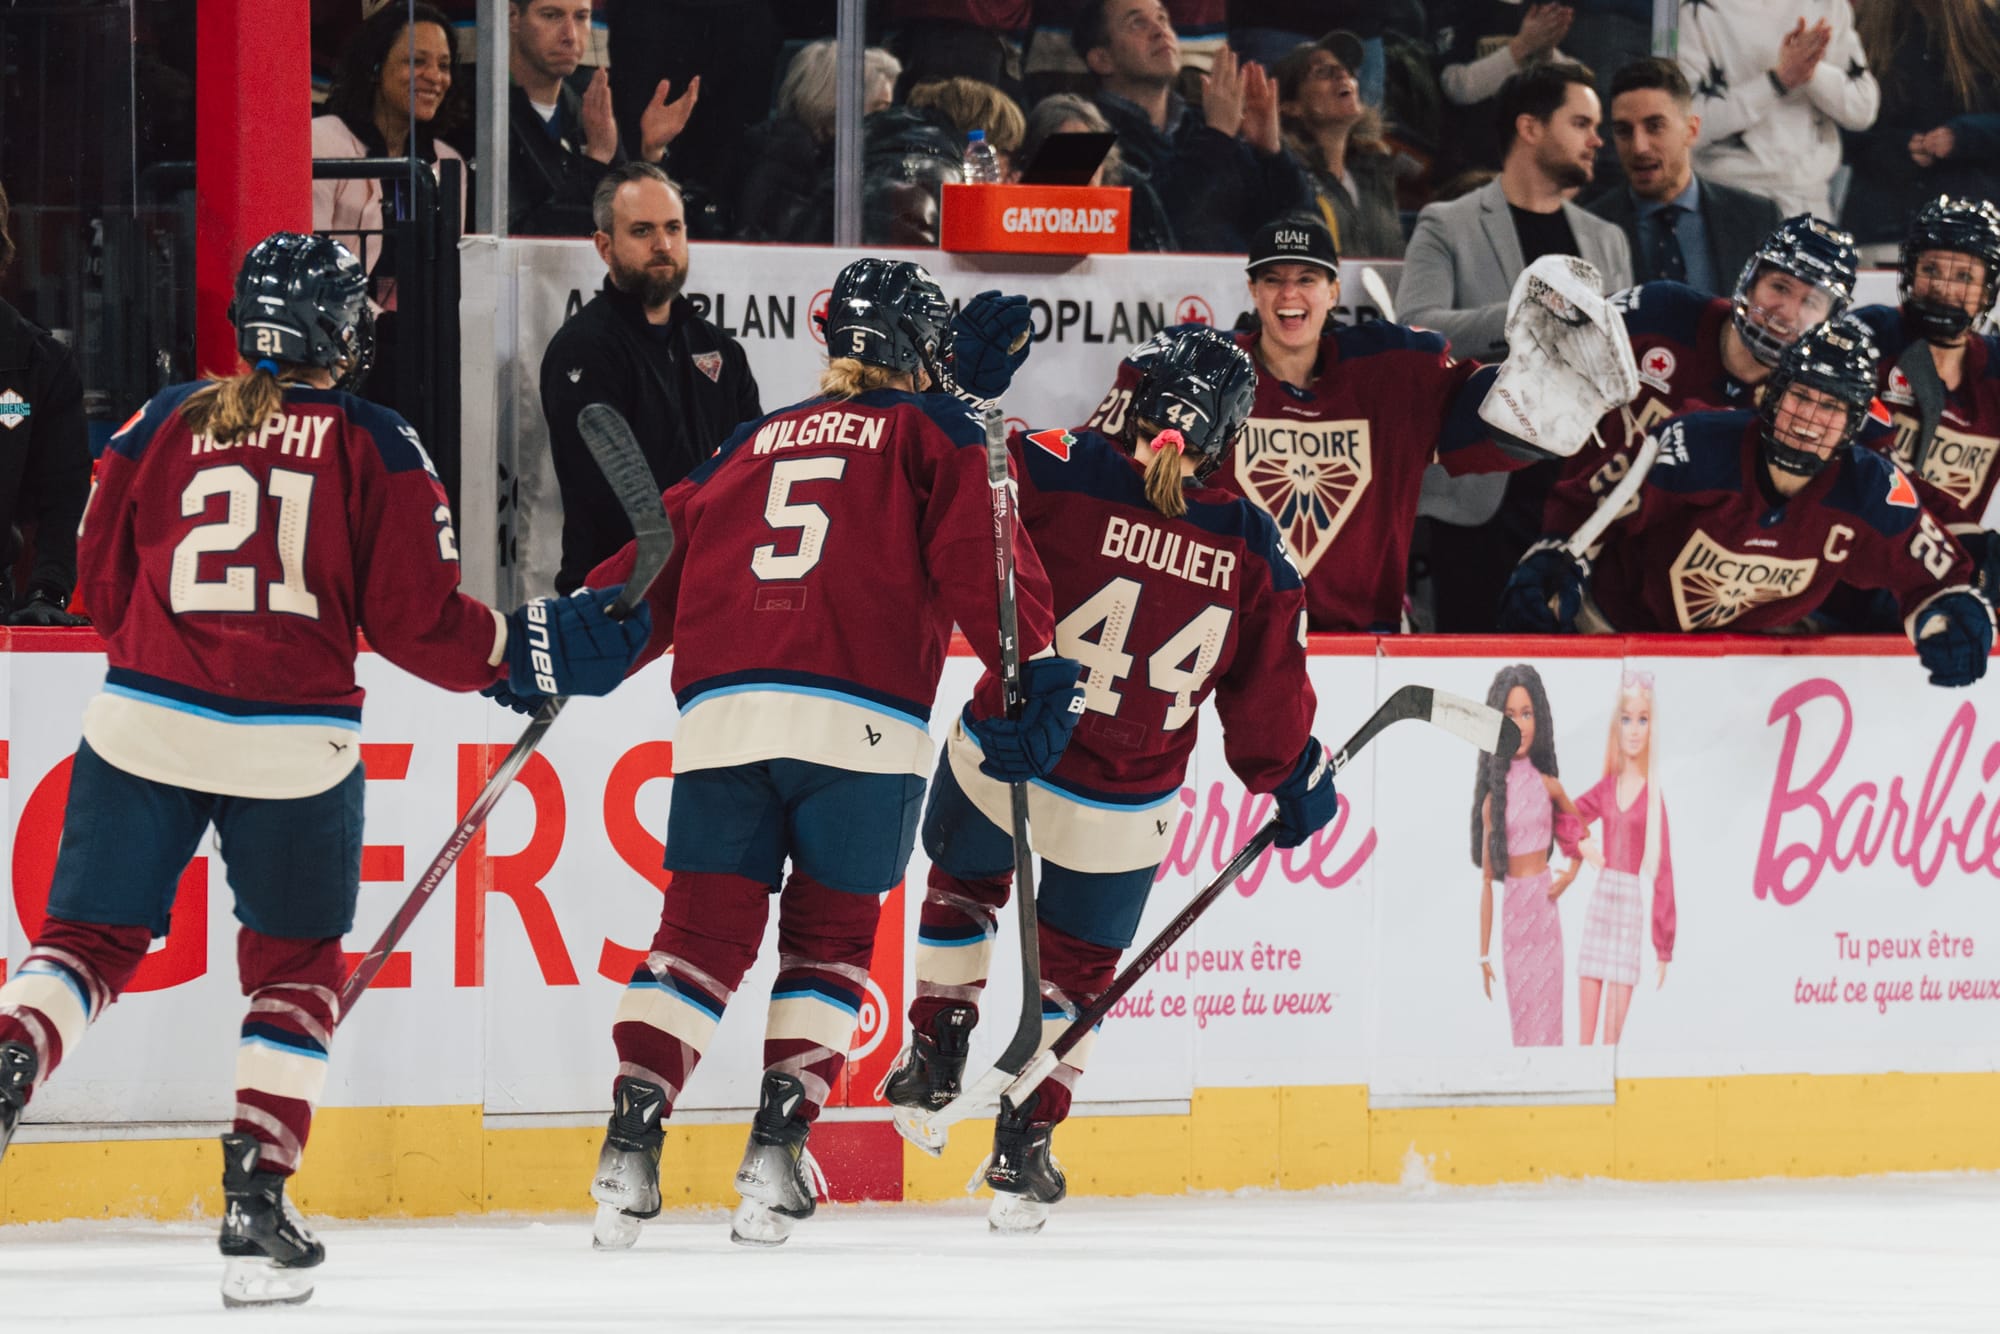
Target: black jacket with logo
684	386
44	451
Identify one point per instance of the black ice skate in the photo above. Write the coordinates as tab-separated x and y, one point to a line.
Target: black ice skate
17	1076
927	1076
627	1184
269	1254
779	1181
1024	1175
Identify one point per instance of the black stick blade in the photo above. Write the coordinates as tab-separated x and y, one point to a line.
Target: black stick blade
610	440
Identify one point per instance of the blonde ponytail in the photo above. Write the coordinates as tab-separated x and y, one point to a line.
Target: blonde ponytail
844	377
227	410
1164	484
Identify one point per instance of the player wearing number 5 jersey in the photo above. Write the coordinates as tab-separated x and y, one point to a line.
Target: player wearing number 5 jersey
823	555
1168	591
241	533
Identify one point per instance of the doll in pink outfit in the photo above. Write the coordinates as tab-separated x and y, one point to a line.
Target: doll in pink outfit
1633	851
1515	821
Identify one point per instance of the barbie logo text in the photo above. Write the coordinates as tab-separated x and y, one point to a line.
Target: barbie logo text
1857	826
1210	833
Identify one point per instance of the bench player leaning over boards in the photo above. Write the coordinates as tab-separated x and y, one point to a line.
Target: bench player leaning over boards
1748	520
241	533
1345	422
1950	281
1168	591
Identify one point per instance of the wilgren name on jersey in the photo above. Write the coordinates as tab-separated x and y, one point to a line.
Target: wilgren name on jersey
1714	585
1957	463
1307	476
835	426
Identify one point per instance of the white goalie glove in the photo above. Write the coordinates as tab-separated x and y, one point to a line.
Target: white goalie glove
1569	359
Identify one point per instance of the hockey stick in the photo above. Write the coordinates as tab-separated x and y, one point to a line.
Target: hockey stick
1378	292
1608	510
1484	727
1028	1028
624	465
1927	387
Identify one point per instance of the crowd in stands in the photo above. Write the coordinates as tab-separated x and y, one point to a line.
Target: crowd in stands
1226	111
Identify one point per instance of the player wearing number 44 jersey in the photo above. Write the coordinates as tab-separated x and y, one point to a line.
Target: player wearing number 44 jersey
1747	521
1167	590
241	533
823	555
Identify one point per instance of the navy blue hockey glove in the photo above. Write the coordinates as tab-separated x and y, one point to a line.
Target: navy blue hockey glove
44	607
1984	548
1306	800
1544	593
530	703
571	646
1954	635
989	341
1029	748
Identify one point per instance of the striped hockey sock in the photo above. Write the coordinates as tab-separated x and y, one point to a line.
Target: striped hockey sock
286	1036
710	928
73	970
826	938
1074	973
955	930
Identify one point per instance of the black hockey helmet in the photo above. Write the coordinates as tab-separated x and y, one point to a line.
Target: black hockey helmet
889	313
1837	358
303	299
1817	254
1195	380
1962	226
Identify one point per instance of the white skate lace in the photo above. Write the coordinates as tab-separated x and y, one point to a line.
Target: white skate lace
814	1177
882	1088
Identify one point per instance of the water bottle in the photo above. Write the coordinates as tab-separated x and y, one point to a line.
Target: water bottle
982	164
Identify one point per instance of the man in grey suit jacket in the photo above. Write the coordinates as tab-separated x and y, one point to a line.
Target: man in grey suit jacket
1464	256
1681	227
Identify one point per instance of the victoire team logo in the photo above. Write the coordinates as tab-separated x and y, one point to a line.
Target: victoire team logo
1957	463
1307	476
1714	585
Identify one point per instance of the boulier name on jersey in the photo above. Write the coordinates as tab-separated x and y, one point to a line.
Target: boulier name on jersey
1169	552
299	435
857	430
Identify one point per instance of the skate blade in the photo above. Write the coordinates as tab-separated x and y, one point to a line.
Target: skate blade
758	1224
251	1282
1016	1215
920	1128
614	1230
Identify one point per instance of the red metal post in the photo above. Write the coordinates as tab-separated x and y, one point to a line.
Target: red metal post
253	154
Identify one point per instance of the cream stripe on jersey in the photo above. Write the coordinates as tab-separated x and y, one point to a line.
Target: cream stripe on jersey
744	726
277	760
1082	838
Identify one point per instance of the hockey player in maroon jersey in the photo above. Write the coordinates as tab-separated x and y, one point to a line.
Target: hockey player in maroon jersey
1700	352
241	532
1950	280
1167	591
823	554
1345	422
1748	520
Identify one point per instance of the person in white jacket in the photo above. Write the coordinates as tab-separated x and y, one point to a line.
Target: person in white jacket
1774	86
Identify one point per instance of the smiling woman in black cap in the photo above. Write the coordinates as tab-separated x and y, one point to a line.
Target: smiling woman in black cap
1339	140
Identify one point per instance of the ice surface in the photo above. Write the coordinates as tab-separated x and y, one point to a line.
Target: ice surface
1915	1253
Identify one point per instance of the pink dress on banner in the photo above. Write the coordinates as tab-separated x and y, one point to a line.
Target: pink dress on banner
1531	940
1612	924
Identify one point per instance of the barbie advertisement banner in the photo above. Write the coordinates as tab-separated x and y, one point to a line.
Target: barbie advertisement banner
1695	866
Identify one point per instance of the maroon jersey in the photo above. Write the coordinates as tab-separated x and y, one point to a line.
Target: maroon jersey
821	557
229	581
1958	481
1707	549
1338	465
1676	334
1162	613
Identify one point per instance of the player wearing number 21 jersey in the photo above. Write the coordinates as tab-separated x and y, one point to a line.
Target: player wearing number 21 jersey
241	532
1169	592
